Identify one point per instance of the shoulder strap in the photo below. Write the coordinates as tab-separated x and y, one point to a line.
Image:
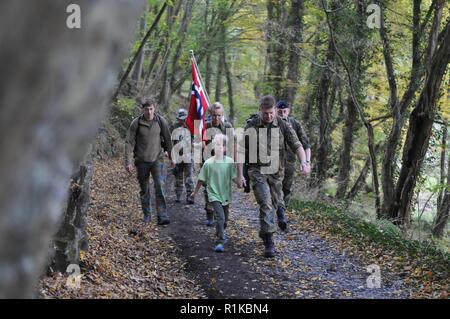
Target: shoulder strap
158	119
137	128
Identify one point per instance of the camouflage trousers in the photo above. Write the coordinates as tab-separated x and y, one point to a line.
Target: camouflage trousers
269	196
156	169
184	176
288	180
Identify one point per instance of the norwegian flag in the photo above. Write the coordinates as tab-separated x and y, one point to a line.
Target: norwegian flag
198	105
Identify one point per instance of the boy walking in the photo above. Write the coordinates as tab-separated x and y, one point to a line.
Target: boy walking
218	172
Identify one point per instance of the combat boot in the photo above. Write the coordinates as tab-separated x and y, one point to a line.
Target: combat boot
269	247
282	219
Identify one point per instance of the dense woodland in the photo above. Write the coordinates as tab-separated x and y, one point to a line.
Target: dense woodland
368	80
374	101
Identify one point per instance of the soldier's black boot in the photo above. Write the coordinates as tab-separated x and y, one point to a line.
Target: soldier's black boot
269	247
282	219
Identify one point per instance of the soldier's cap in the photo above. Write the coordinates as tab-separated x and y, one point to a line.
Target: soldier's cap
182	114
282	105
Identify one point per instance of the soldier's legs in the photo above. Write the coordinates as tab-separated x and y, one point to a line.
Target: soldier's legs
143	175
178	180
158	181
189	178
288	180
263	196
276	184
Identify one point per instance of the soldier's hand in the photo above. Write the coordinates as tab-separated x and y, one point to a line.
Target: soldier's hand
130	168
241	182
308	165
305	168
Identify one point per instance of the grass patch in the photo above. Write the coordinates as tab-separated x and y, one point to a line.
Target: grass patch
380	232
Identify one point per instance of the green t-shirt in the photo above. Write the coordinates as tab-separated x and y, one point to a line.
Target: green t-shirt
218	176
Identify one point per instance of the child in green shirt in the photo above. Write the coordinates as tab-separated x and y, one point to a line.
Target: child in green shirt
218	172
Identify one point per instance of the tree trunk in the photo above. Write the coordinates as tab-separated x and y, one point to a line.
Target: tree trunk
359	181
67	74
399	108
182	34
137	71
295	25
208	72
443	155
276	36
226	67
443	208
324	145
71	237
219	72
161	82
308	108
347	144
141	47
417	139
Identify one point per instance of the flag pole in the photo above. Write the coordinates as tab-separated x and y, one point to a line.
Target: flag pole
200	76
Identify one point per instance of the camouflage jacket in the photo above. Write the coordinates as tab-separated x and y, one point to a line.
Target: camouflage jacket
301	136
288	139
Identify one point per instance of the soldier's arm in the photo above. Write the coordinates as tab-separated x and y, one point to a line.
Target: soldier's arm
295	144
304	140
241	148
167	144
130	143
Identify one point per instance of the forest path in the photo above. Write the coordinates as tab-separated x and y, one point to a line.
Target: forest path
306	266
130	259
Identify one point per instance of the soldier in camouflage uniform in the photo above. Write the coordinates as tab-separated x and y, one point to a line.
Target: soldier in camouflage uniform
147	139
216	112
284	111
268	187
183	171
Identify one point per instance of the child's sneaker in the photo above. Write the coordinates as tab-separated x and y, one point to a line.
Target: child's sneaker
219	248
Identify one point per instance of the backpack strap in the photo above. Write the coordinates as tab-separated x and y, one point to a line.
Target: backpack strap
158	119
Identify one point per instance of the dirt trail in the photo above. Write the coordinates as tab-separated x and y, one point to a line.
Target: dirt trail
130	259
306	266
